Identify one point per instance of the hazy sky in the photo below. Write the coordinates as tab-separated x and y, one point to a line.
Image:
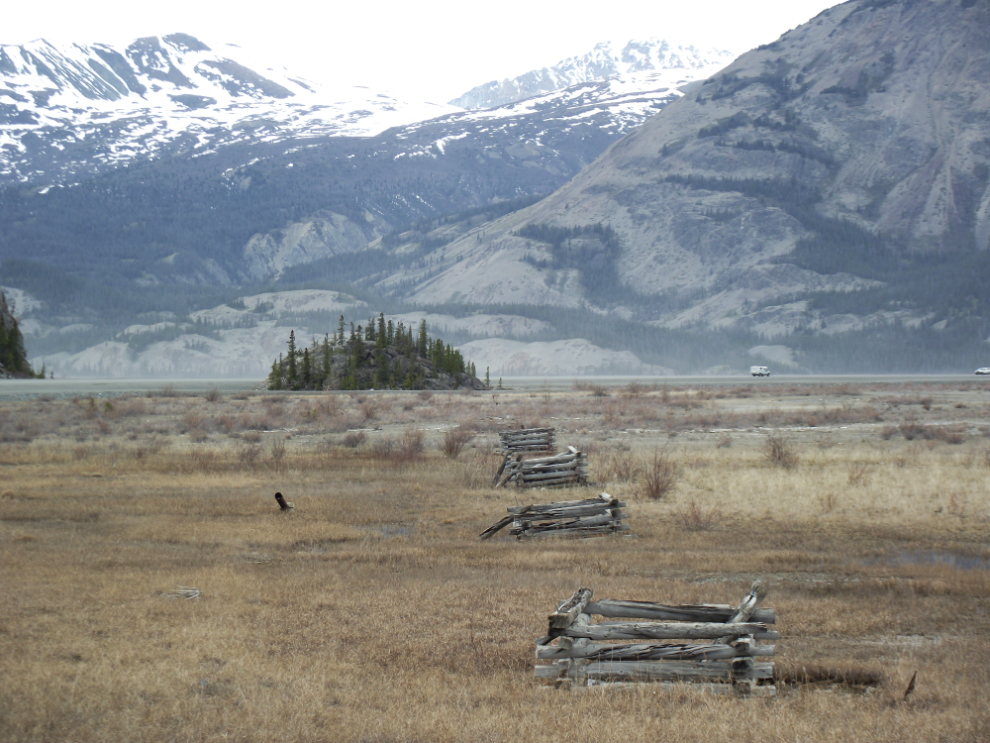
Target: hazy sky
430	49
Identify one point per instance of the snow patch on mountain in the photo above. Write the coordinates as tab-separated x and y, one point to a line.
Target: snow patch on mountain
137	101
277	305
19	301
482	326
672	62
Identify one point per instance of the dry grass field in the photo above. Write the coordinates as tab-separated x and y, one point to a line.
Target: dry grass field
374	613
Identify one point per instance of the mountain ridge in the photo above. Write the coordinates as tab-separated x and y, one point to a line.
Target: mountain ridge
666	61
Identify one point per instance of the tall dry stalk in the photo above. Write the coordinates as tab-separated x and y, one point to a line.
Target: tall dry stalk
277	452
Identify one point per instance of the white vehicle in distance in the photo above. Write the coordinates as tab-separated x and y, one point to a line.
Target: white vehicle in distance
759	371
983	371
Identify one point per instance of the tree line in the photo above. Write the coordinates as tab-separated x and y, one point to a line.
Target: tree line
13	356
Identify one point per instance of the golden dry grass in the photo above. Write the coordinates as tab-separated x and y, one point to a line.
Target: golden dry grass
373	613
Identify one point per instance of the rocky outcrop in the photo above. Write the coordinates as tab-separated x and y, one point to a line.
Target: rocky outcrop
571	357
325	235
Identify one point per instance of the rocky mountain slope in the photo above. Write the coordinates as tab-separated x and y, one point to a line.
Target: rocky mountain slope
833	180
660	62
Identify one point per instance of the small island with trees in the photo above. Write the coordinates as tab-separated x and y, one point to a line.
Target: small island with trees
381	355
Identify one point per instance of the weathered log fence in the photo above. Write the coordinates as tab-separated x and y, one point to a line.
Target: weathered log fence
590	517
530	461
567	469
586	654
528	440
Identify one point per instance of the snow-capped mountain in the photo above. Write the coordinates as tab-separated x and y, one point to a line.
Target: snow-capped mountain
67	110
165	174
664	62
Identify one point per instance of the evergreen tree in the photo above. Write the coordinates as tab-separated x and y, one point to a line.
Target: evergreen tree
307	370
292	372
423	338
275	376
327	362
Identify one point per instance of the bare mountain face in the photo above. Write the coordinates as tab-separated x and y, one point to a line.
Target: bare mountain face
833	180
652	61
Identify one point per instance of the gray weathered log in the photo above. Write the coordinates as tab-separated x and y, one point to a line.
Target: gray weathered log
569	610
573	513
560	504
677	613
625	652
599	520
543	461
752	670
659	670
556	474
662	630
553	461
590	531
524	432
498	525
747	606
500	470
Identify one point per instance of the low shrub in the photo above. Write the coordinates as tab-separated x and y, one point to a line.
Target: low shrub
695	517
353	440
779	452
660	476
455	439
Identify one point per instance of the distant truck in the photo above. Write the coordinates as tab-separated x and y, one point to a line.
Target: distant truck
759	371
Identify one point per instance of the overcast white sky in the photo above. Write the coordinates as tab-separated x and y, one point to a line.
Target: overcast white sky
431	49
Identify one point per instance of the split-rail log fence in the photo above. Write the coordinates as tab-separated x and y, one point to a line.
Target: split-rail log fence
590	517
528	440
567	469
587	654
